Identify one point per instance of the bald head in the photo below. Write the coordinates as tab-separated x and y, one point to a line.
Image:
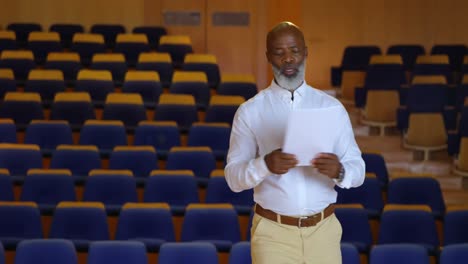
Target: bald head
283	28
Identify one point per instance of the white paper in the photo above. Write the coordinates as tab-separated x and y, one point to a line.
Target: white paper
312	131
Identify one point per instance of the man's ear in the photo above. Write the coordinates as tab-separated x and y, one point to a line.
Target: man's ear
306	52
267	56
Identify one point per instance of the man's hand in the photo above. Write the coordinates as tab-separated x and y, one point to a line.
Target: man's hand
279	162
327	164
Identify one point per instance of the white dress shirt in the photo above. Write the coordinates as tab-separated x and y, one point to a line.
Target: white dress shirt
259	127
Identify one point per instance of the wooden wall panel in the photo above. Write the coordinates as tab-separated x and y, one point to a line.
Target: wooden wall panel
234	46
197	33
152	12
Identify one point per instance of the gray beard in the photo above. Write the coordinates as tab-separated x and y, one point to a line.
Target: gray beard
289	83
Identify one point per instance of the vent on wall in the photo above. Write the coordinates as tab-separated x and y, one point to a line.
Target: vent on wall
182	18
231	19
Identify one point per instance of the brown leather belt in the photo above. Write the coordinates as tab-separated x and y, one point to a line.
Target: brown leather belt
304	221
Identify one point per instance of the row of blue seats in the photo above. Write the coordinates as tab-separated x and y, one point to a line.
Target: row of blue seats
52	186
62	251
357	58
59	251
78	113
149	140
116	63
115	188
67	30
220	224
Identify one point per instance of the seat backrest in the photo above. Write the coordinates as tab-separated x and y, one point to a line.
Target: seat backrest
46	251
117	252
200	160
409	53
417	190
20	220
126	107
145	221
87	44
217	191
48	187
80	221
74	107
131	45
358	57
192	252
349	254
385	72
6	186
214	135
193	83
240	253
160	62
177	46
433	65
453	253
180	108
145	83
369	195
22	107
7	131
41	43
455	229
48	134
19	158
141	160
212	222
399	253
222	108
22	30
177	188
237	84
161	135
356	227
408	226
153	33
105	134
80	160
98	83
66	32
206	63
111	187
455	52
7	81
7	40
375	162
69	63
109	32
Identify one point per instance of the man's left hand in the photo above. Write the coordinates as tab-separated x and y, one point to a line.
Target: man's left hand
327	164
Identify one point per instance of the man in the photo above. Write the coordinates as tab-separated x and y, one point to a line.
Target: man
294	220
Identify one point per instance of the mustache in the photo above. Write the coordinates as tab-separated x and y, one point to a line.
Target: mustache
289	66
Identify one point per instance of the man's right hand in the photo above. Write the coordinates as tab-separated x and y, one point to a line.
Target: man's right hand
279	162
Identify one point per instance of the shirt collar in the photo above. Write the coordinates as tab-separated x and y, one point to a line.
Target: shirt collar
284	93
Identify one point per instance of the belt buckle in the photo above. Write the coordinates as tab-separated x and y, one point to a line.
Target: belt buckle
299	223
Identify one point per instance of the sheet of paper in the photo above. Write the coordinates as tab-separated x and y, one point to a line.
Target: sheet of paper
312	131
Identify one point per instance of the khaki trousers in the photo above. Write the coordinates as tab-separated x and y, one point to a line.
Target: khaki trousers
275	243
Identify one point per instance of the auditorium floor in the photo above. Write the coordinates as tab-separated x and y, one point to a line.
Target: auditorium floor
402	161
